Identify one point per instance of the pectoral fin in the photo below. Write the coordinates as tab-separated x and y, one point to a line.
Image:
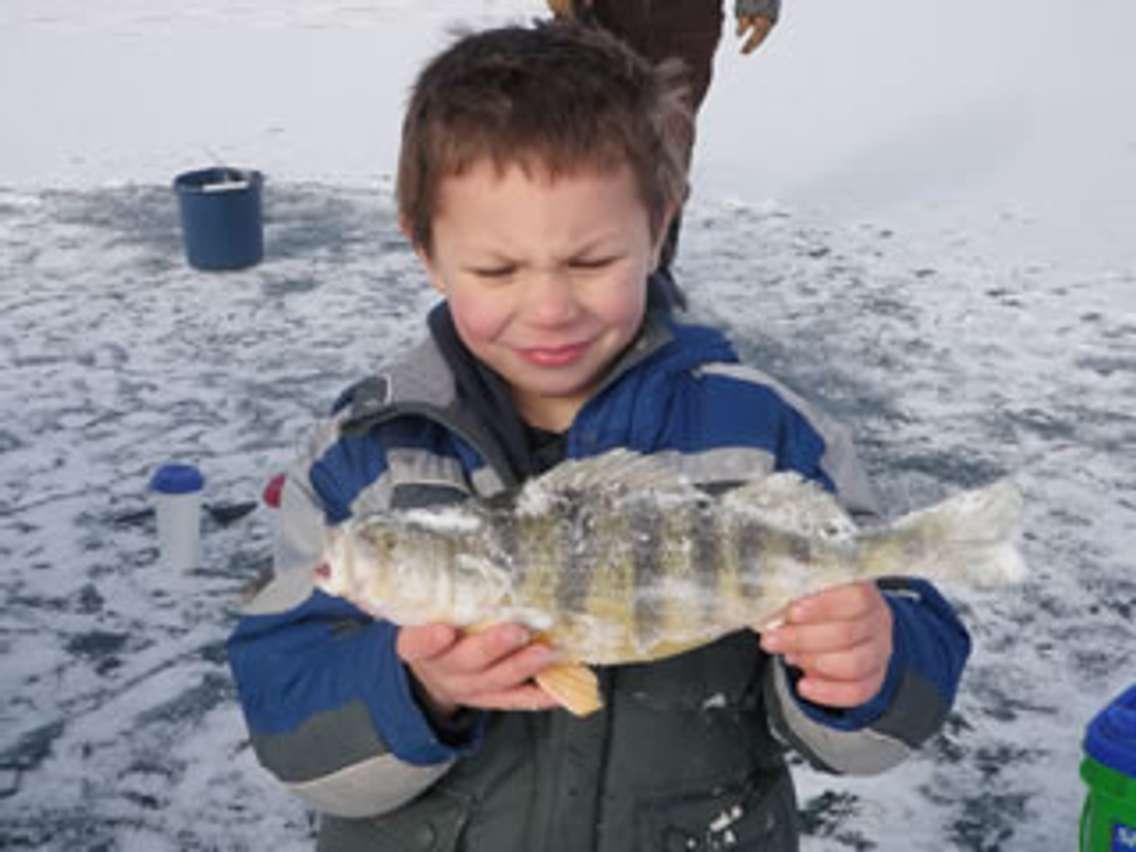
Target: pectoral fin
574	686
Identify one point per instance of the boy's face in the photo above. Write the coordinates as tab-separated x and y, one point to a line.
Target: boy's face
546	279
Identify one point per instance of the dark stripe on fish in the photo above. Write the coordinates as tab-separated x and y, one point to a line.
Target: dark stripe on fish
750	545
708	556
572	583
801	548
506	542
723	486
647	553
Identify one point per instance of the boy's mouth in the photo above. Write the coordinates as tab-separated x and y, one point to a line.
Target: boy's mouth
554	356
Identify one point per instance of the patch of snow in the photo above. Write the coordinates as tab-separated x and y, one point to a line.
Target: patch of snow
714	702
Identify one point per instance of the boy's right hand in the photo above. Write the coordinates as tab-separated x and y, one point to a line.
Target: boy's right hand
490	669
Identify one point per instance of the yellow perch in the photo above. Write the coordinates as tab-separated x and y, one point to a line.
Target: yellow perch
617	559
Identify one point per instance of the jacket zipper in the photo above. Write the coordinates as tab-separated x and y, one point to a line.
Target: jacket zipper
607	690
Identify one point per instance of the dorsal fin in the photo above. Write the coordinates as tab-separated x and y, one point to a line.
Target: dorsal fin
618	471
788	501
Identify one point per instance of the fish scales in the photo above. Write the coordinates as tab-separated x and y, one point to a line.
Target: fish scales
607	568
506	545
539	550
653	578
690	567
605	562
738	582
554	554
546	560
629	564
617	559
707	558
748	548
605	553
570	564
623	569
688	584
649	570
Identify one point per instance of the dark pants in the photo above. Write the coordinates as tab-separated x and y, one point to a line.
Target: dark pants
661	29
658	30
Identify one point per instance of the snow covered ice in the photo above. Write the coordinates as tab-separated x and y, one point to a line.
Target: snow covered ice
920	217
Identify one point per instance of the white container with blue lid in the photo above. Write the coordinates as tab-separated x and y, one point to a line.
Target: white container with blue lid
176	490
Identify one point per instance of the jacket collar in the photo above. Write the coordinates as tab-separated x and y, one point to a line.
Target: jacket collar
441	380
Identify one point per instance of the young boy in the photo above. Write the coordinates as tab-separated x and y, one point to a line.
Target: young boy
538	171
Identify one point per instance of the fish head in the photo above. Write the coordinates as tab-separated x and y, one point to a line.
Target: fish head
360	568
398	567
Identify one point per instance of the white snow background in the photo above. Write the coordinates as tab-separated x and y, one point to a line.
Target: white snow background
922	215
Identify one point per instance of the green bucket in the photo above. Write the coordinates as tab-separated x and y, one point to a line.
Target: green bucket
1108	820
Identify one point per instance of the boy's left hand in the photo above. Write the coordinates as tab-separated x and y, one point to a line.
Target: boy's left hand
840	638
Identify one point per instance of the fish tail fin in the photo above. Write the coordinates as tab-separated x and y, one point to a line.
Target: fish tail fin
972	536
575	686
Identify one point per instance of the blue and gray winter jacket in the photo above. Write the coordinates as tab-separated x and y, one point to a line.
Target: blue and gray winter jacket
333	712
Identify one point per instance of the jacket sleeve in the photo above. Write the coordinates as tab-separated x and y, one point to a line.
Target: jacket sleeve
930	645
930	648
329	706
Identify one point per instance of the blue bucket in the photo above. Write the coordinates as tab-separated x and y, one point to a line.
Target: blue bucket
221	217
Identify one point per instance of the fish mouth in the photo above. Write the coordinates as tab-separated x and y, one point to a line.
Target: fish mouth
555	356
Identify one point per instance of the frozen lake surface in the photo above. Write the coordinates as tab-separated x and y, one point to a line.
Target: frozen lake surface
950	268
120	726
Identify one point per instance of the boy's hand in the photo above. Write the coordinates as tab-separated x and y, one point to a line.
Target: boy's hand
841	639
490	669
757	27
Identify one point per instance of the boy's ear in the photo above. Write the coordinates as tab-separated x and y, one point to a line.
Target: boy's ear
423	256
432	272
406	227
436	280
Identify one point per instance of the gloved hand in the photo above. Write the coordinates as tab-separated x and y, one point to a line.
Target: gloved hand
756	26
568	8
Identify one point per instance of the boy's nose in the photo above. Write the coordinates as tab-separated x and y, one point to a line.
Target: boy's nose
551	298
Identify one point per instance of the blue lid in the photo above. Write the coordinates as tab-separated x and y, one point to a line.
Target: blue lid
177	479
1111	735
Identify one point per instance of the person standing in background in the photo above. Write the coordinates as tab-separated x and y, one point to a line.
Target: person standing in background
685	29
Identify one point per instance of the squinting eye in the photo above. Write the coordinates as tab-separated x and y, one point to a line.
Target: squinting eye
497	272
597	263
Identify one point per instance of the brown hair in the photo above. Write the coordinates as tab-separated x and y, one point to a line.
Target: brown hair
555	97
